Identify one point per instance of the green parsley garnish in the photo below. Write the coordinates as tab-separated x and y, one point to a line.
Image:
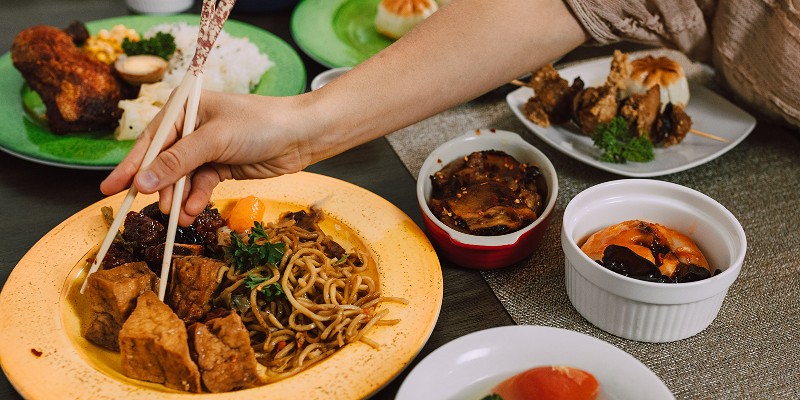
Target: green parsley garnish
619	146
257	251
272	291
162	45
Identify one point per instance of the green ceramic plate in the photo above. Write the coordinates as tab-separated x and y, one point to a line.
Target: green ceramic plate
26	138
337	33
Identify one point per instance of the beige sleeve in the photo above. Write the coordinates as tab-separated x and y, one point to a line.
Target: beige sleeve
678	24
757	52
755	49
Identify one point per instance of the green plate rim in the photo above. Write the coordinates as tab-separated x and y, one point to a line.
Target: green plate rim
312	27
287	77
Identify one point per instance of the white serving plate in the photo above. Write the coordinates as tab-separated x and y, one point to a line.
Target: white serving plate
710	113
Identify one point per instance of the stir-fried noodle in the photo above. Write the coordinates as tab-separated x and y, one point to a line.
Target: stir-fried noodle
326	302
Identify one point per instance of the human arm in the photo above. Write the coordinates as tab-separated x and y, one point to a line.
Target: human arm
465	49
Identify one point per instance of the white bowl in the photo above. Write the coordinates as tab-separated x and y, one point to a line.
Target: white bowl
486	252
470	366
648	311
325	77
159	7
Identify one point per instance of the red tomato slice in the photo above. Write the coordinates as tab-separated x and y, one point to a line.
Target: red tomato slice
551	383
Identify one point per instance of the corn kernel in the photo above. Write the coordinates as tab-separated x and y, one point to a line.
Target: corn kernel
106	46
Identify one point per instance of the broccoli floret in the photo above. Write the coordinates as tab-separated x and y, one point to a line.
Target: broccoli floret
162	45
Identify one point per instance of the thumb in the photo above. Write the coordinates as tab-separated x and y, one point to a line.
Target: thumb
179	160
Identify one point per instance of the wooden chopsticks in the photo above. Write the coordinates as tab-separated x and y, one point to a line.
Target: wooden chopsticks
212	18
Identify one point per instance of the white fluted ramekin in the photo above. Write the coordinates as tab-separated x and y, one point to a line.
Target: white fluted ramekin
649	311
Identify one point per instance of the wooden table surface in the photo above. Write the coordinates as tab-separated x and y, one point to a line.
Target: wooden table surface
37	197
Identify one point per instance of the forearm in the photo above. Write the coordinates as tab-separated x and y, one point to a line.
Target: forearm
464	50
459	53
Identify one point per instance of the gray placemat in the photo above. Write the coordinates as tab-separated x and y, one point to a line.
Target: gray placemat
752	349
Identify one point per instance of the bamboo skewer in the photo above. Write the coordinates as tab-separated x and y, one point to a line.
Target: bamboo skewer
212	18
518	82
706	135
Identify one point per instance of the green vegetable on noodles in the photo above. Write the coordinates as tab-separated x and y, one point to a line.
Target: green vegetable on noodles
162	45
341	260
255	252
492	397
272	291
619	146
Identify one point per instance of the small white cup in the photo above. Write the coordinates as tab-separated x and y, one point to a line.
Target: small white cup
159	7
650	311
323	78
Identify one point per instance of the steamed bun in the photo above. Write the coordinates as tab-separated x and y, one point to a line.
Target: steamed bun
396	17
649	71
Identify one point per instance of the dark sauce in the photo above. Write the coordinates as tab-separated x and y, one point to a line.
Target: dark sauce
626	262
488	193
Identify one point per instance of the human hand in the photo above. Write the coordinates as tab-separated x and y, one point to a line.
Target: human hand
237	137
250	136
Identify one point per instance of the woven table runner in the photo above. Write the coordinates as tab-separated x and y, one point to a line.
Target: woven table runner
752	349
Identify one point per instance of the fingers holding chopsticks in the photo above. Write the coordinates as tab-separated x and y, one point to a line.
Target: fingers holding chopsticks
184	100
196	194
129	172
235	138
203	182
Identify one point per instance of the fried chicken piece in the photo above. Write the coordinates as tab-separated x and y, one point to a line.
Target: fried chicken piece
594	106
80	94
552	99
671	126
619	72
641	110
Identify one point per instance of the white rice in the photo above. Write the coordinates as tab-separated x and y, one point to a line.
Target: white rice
234	64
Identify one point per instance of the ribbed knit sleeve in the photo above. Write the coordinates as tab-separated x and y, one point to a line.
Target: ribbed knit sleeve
678	24
753	45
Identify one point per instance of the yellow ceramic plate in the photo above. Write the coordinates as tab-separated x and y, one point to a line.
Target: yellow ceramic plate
44	356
